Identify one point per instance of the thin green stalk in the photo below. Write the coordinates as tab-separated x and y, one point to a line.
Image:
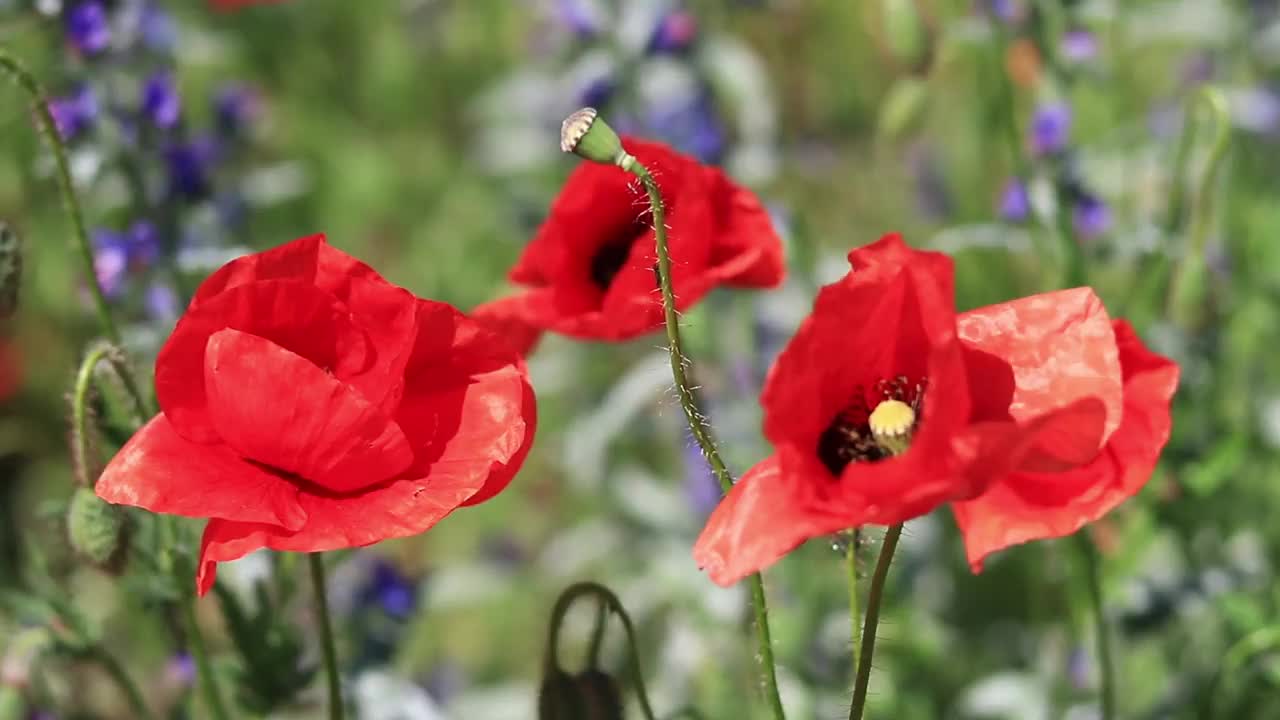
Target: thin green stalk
1093	578
611	602
121	677
873	620
336	710
80	414
855	614
49	129
200	655
700	430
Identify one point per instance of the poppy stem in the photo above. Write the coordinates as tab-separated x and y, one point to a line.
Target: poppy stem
336	710
855	614
1093	578
47	127
873	619
700	430
611	603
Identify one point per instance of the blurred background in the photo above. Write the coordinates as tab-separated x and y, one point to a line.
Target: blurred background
422	137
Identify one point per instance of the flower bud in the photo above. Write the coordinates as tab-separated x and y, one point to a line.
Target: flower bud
558	698
587	135
601	697
98	531
10	270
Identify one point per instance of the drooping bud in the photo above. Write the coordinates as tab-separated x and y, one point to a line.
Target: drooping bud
558	698
97	530
587	135
10	271
891	425
600	694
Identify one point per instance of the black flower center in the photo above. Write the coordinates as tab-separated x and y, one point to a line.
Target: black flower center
612	255
848	437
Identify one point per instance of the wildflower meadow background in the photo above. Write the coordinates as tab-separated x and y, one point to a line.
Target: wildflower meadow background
1128	145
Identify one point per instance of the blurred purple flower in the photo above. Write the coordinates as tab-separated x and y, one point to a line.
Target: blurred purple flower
236	107
1256	109
1015	204
1197	68
675	32
700	484
180	671
598	92
691	127
160	101
87	28
157	28
110	260
1079	46
1091	216
162	304
1078	668
190	165
580	16
1005	10
390	590
932	195
1050	128
75	113
143	244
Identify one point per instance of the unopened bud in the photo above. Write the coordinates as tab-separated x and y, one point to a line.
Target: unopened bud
587	135
97	530
601	697
558	698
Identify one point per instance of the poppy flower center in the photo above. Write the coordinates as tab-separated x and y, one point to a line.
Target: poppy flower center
874	425
612	255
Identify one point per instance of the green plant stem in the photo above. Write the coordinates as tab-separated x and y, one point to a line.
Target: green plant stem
1093	579
701	432
855	613
336	710
121	677
200	656
49	129
611	602
874	597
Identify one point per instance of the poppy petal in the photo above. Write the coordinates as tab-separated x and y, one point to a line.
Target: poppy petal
1030	506
382	310
1060	347
294	315
507	318
747	252
161	471
279	409
761	519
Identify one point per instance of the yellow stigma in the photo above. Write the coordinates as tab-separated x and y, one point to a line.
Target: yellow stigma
891	424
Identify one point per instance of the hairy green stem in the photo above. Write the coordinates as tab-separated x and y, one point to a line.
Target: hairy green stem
336	709
855	613
874	597
701	431
611	602
121	677
16	70
1093	579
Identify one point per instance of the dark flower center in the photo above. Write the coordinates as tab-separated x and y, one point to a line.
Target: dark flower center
612	255
848	437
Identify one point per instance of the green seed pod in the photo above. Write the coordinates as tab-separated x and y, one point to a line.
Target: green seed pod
600	694
587	135
98	530
559	698
10	271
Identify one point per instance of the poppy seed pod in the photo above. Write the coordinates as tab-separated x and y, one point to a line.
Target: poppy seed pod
589	137
97	530
10	270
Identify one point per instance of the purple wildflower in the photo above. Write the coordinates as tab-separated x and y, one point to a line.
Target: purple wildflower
75	113
1050	128
157	29
1091	216
236	107
1005	10
580	16
87	28
693	127
390	590
110	260
675	32
181	670
143	243
190	166
1079	46
161	303
598	92
1015	204
161	103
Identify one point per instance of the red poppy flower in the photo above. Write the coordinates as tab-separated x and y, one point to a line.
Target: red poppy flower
309	405
590	269
1033	388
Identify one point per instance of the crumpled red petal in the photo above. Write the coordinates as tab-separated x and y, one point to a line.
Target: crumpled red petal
1031	506
163	472
278	409
506	317
1060	347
